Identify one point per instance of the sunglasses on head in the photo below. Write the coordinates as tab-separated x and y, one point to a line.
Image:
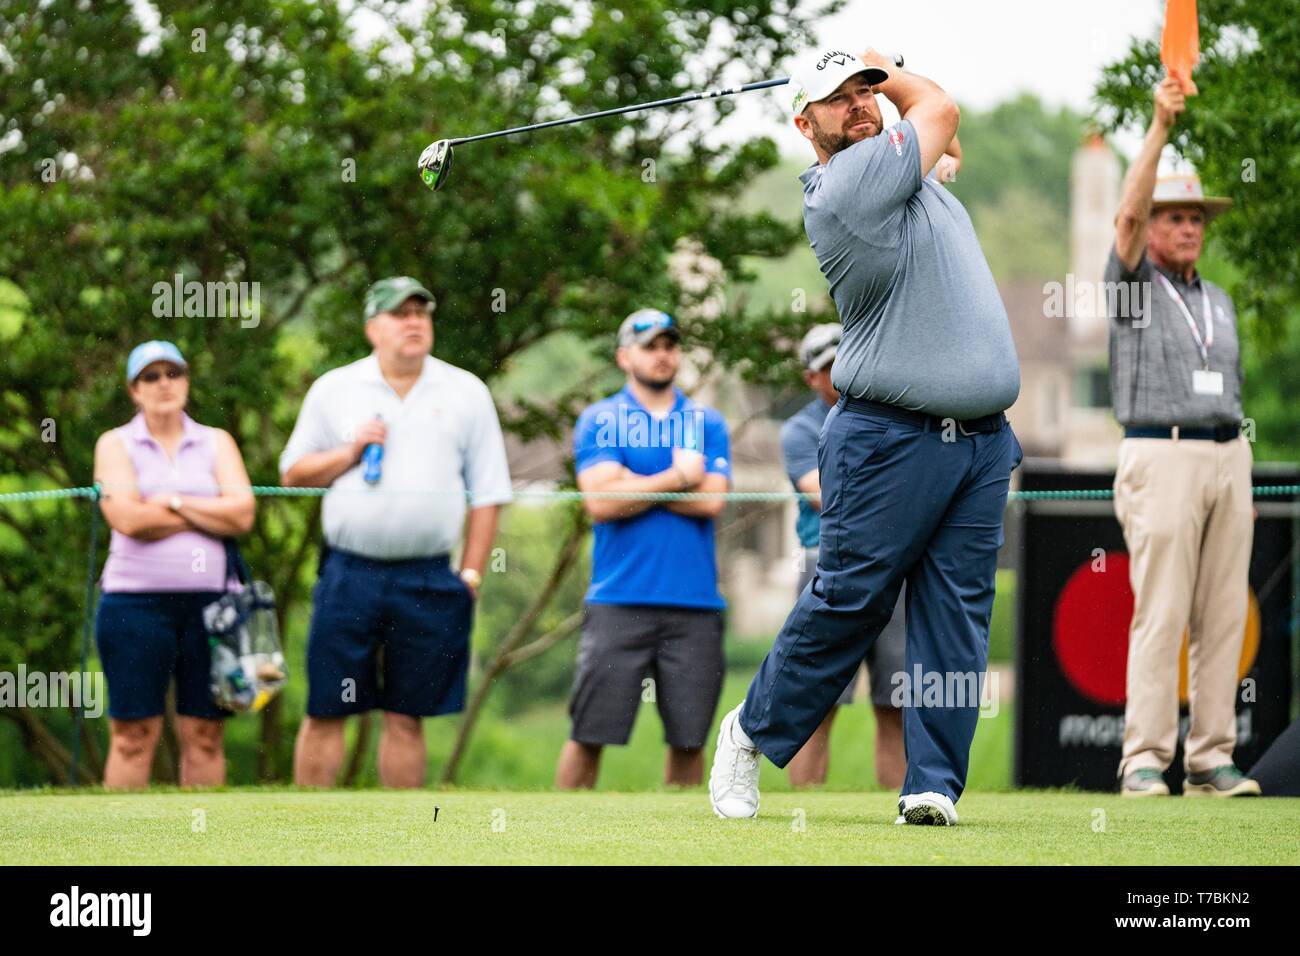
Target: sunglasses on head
153	375
662	320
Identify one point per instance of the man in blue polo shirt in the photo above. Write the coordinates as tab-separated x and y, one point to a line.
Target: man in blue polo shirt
653	623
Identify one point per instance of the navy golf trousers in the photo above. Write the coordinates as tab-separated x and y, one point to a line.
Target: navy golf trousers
901	501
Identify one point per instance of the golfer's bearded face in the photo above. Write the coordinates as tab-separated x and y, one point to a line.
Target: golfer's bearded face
847	116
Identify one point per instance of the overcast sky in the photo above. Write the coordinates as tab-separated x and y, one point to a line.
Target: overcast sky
980	52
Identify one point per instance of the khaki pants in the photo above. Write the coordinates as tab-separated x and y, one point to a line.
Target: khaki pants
1187	514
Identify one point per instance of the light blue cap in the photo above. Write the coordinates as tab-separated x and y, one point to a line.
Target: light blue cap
149	352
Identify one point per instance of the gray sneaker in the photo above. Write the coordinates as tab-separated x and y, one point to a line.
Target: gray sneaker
1225	781
1144	782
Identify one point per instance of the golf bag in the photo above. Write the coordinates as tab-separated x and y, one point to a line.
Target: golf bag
248	667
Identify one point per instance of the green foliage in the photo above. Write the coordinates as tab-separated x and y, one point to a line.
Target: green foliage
525	553
1019	145
1242	132
1022	235
260	143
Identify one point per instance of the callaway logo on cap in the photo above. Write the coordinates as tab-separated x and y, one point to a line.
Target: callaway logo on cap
818	74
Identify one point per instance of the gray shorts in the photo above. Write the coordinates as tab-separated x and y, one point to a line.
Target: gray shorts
670	656
887	657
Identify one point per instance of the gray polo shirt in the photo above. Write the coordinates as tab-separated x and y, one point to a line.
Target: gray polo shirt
924	326
1153	352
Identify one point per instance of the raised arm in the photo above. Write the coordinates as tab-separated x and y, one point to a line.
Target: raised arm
921	102
949	163
1140	180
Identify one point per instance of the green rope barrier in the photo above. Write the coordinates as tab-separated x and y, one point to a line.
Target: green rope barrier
95	492
49	494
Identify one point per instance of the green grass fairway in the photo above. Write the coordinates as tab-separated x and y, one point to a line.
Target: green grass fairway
367	827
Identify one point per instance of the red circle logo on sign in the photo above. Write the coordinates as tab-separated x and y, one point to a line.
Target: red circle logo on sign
1090	631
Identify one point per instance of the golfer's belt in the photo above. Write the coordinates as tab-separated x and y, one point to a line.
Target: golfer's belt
967	426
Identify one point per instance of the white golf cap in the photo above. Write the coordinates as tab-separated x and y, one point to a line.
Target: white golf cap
819	73
817	350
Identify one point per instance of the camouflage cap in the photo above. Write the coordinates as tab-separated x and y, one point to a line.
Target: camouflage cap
388	294
645	325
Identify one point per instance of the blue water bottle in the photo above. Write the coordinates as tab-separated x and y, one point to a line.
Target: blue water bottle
372	460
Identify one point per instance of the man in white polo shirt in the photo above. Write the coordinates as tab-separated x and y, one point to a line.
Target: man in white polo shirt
391	518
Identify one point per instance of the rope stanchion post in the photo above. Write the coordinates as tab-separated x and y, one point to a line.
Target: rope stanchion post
87	625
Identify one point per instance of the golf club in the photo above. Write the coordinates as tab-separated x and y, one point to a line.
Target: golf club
435	161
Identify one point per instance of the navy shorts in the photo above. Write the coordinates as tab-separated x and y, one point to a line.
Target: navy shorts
146	638
392	635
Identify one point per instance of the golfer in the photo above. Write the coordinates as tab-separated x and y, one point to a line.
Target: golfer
172	490
1182	485
653	622
799	440
391	617
915	458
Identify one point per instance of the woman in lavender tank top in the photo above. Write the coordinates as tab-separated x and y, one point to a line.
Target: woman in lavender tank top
172	490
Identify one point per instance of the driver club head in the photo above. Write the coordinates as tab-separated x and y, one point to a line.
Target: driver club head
435	163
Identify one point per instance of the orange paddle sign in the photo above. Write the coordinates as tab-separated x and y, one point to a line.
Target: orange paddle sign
1180	46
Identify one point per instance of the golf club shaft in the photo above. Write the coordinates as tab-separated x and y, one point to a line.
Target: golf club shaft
671	101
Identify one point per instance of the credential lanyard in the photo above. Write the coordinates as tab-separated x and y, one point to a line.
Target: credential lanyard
1203	344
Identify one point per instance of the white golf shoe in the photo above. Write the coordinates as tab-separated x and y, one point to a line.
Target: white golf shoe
926	809
733	781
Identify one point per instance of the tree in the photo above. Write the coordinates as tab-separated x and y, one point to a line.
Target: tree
1241	132
260	144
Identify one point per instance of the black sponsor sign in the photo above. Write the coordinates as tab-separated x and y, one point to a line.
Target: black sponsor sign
1074	604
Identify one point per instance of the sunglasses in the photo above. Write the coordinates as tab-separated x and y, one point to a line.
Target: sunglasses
662	321
153	375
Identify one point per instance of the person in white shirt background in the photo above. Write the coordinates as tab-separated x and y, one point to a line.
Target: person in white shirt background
386	581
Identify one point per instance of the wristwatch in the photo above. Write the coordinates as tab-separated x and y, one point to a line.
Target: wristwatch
472	578
174	502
